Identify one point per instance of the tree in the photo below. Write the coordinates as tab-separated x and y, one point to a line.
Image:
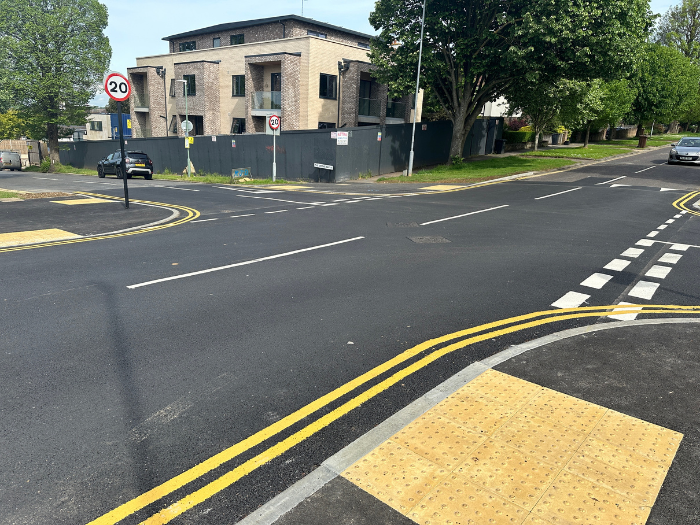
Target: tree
56	55
679	28
540	101
111	106
11	125
582	105
616	102
476	50
666	83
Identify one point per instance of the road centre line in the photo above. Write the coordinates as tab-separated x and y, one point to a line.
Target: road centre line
246	215
662	227
463	215
205	220
653	234
274	451
278	200
670	221
645	169
609	181
173	188
560	193
306	208
278	211
245	263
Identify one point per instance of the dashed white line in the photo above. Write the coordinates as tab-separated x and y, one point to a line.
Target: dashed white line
330	204
278	211
662	227
277	200
670	221
625	317
658	272
644	290
571	300
181	189
645	242
373	199
618	185
597	280
680	247
617	265
306	208
645	169
219	268
560	193
670	258
653	234
684	212
464	215
609	181
632	252
246	215
204	220
677	216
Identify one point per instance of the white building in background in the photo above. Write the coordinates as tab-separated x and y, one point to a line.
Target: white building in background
497	108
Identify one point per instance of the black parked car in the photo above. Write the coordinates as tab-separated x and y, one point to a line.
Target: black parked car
136	163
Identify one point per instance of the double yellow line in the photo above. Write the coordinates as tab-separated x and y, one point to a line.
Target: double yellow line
190	214
681	203
485	331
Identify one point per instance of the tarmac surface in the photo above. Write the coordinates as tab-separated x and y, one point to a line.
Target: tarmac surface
642	376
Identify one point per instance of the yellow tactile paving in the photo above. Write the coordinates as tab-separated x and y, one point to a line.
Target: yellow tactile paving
34	236
505	451
442	187
71	202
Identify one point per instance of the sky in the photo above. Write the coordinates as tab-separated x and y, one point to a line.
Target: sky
136	28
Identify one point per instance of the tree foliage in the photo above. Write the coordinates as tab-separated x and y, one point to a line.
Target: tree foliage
476	50
679	28
540	101
582	104
56	55
11	125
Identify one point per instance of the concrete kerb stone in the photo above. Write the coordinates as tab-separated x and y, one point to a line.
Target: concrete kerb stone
333	466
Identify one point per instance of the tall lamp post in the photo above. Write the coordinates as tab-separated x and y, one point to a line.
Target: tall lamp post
187	128
415	104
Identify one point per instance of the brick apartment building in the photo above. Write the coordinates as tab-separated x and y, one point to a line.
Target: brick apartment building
312	74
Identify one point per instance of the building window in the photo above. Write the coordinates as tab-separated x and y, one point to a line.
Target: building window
173	124
328	88
238	85
237	126
95	125
326	125
190	85
188	46
316	33
363	45
172	87
216	42
236	40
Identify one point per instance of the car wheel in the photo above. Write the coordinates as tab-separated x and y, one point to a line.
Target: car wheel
148	176
100	172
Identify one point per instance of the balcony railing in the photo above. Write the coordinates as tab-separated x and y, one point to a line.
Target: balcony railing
369	107
267	100
395	110
141	100
141	133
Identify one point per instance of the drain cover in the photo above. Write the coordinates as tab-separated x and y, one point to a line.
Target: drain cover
428	240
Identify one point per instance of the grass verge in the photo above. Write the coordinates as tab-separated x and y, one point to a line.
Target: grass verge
482	170
8	194
61	168
592	152
215	178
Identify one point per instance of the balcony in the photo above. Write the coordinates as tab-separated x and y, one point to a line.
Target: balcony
369	107
141	102
395	110
264	102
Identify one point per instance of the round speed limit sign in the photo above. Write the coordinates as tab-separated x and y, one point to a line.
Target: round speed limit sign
117	87
274	122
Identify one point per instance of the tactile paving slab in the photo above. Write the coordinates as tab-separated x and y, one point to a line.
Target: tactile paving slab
505	451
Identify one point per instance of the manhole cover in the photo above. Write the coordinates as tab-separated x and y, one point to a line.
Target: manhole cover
402	224
428	240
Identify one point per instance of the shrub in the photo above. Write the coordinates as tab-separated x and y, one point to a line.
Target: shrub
516	124
45	165
515	137
457	161
526	128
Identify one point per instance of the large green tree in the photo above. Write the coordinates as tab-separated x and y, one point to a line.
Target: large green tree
582	104
616	101
56	55
680	28
666	84
539	101
476	50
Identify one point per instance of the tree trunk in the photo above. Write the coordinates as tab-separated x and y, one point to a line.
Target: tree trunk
460	130
588	132
674	127
52	136
640	129
612	132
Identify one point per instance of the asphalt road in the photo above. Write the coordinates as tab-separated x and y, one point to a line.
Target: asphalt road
115	380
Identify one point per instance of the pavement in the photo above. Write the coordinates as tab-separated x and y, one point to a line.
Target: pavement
593	424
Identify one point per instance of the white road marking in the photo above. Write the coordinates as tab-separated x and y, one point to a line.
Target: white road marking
653	234
645	242
277	200
597	280
669	189
278	211
86	182
662	227
340	200
670	221
680	247
645	169
463	215
306	208
684	212
617	265
632	252
245	263
609	181
204	220
41	178
247	215
658	272
330	204
183	189
644	290
349	202
670	258
677	216
373	199
618	185
571	300
560	193
625	317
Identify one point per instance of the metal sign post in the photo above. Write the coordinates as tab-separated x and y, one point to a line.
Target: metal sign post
274	126
118	87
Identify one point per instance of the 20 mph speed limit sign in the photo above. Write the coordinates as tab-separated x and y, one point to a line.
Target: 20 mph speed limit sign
274	122
117	87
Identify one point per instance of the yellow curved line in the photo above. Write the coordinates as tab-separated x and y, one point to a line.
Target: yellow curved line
226	455
191	215
681	203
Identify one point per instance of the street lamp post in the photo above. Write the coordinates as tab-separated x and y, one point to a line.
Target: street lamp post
187	128
415	105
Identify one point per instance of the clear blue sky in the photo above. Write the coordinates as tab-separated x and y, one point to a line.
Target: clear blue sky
136	28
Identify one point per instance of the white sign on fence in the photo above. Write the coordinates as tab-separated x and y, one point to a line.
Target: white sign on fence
342	138
323	166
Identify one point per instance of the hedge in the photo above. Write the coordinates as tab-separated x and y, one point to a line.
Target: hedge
514	137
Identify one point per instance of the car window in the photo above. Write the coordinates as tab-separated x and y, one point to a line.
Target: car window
109	157
689	143
135	155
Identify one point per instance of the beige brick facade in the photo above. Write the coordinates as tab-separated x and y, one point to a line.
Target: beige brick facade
299	58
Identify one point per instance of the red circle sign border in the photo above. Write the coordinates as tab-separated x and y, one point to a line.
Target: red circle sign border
269	121
128	93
